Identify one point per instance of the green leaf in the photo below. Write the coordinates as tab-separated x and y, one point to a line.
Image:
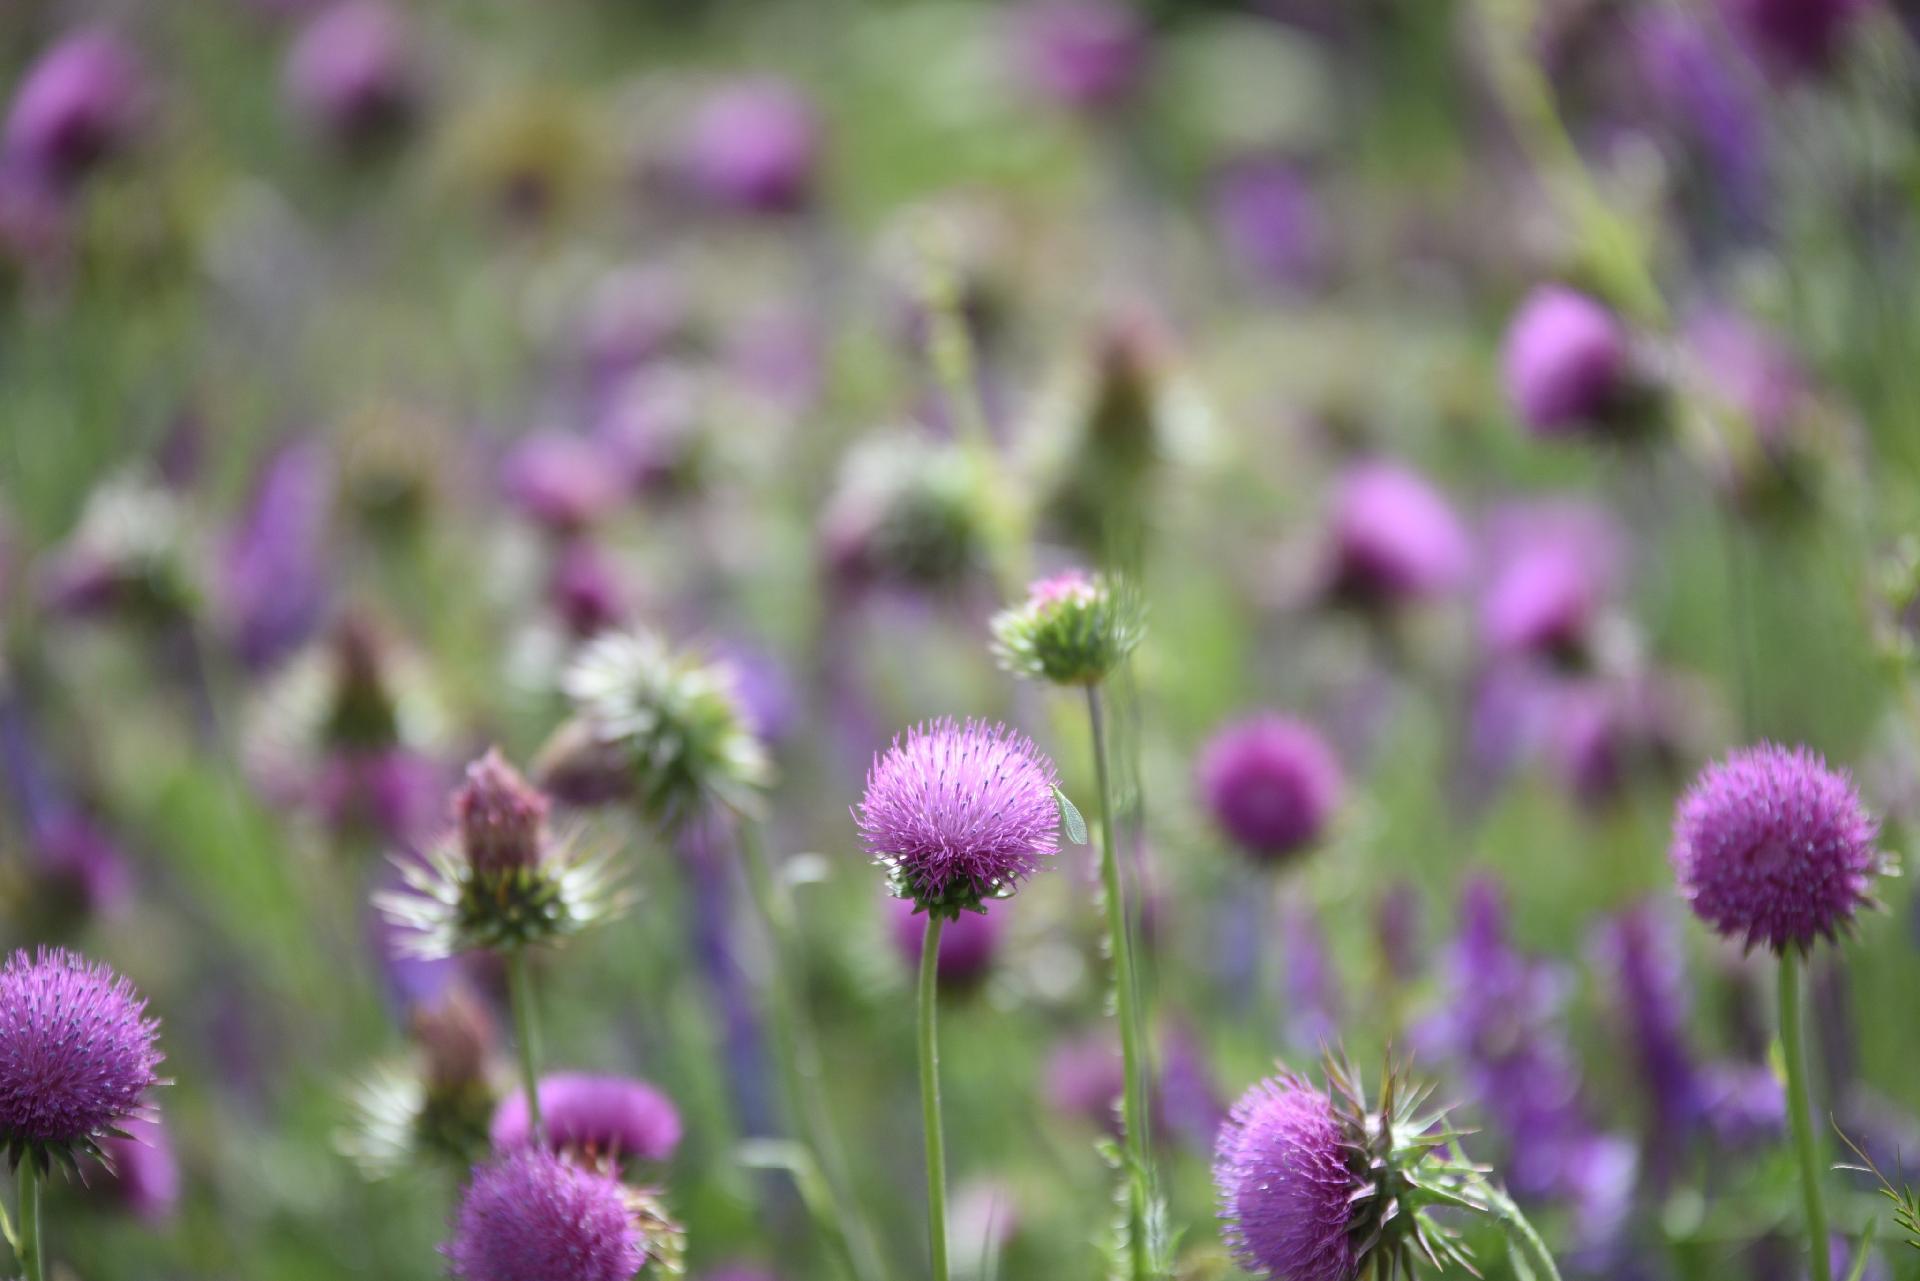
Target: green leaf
1861	1252
1070	817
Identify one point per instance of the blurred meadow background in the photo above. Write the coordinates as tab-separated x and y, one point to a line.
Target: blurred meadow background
1524	394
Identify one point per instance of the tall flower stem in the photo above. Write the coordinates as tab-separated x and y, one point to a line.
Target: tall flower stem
33	1259
526	1032
1794	1049
799	1062
1521	1235
1133	1103
930	1097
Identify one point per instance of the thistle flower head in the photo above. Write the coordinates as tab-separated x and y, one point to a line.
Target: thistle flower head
599	1118
1565	361
1271	783
676	722
78	104
754	147
1319	1186
349	75
1773	847
77	1053
1087	55
1072	629
499	880
532	1216
1394	536
959	814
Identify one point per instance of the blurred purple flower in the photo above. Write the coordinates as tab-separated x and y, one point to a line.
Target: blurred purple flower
648	428
1565	361
393	792
604	1116
1640	951
967	944
1552	567
1794	37
1397	928
1744	1105
1394	536
1086	55
1271	783
1312	985
561	481
273	581
80	867
763	688
1706	100
145	1173
350	75
1270	220
634	315
584	591
754	146
77	105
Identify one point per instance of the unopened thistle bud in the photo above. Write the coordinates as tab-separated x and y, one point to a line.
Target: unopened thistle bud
434	1110
500	880
674	721
1072	629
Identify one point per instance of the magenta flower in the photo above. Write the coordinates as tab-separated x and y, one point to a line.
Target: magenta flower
1771	846
533	1217
75	107
1394	536
1271	783
77	1054
1792	36
1086	55
754	147
602	1116
960	813
1565	360
561	481
1286	1194
349	75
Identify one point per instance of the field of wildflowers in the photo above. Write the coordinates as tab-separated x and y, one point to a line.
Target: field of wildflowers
919	640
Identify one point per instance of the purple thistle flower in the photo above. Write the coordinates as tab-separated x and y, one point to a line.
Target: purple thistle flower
531	1216
1394	535
349	75
1271	783
1271	221
502	817
273	580
146	1173
1642	952
1286	1194
599	1116
960	813
967	945
1565	360
1554	565
1085	55
76	106
1707	100
634	315
77	1053
754	147
1771	846
1312	985
80	867
561	481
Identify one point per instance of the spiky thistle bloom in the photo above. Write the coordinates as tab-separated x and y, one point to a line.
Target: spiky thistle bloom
1320	1186
1072	629
77	1054
1771	846
1271	783
532	1216
959	814
607	1119
501	880
674	722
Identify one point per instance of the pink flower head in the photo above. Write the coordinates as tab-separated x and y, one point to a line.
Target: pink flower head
1286	1194
612	1116
531	1216
1395	537
1565	360
1271	783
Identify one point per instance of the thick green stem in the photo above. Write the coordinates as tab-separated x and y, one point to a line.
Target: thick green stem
798	1059
1805	1143
1133	1101
930	1097
526	1032
1521	1236
33	1258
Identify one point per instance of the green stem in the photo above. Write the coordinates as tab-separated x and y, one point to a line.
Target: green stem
1794	1050
33	1259
1133	1102
1521	1235
930	1097
798	1059
526	1031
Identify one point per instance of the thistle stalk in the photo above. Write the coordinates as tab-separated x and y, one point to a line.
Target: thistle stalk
930	1097
1127	1002
1805	1145
1521	1236
526	1034
798	1059
33	1259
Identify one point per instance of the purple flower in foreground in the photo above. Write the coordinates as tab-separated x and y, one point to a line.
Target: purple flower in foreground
960	813
1771	846
599	1116
1394	535
1088	55
1271	784
754	147
75	107
1564	361
77	1053
1286	1194
533	1217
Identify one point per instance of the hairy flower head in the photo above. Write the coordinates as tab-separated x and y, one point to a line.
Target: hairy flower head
612	1118
1072	629
532	1216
